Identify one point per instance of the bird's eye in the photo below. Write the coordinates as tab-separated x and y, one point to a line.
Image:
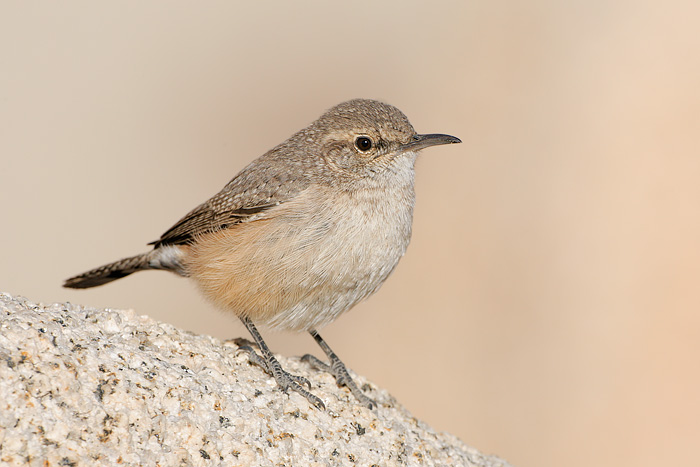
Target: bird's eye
363	143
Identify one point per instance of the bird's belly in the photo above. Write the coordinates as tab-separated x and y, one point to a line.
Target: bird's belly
304	265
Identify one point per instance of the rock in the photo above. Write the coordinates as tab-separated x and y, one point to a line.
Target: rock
83	386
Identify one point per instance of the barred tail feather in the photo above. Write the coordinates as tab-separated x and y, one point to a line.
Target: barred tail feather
109	272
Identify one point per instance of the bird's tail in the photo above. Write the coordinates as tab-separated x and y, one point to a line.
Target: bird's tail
109	272
169	258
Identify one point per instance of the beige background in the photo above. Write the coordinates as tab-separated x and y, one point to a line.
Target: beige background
548	309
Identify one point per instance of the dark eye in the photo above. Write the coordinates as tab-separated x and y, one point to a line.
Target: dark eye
363	143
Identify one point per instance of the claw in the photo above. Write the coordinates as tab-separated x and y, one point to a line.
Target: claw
316	363
272	367
285	380
300	380
337	368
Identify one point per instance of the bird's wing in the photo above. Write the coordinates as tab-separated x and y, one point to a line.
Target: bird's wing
204	219
263	184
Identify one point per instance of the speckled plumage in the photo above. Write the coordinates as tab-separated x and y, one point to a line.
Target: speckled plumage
289	168
304	232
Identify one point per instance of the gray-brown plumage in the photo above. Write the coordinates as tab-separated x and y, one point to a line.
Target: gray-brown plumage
301	234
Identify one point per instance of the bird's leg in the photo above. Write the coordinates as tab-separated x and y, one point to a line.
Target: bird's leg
269	363
337	369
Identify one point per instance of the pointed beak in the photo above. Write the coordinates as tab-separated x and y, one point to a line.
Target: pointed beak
423	141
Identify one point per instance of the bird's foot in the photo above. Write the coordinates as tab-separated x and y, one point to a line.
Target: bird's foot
342	377
285	380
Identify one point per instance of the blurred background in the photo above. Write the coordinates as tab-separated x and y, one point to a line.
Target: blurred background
548	309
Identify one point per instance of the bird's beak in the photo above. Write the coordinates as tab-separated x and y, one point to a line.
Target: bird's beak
419	142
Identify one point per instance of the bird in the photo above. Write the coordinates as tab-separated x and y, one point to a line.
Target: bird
302	234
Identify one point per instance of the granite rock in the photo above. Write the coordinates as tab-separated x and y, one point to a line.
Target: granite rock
84	386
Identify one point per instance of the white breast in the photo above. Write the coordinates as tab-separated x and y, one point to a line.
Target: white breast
311	259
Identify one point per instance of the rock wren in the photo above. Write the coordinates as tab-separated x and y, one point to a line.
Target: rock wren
302	234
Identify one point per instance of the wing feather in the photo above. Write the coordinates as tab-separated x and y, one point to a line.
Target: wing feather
266	182
204	219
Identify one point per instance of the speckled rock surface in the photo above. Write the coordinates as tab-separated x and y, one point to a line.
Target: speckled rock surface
82	386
